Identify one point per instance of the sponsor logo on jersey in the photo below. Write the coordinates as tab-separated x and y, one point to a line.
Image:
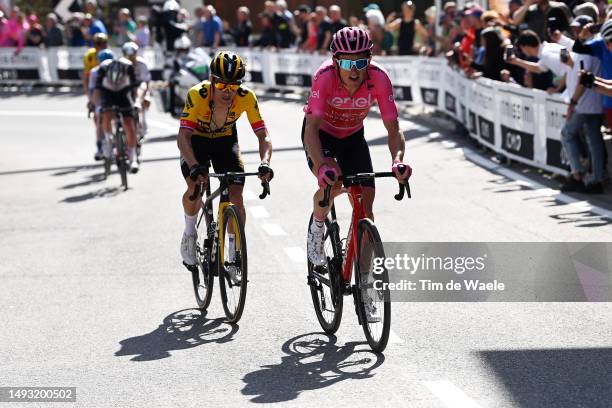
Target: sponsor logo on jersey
349	102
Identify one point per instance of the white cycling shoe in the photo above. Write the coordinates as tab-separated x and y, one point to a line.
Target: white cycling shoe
134	166
189	248
371	311
314	246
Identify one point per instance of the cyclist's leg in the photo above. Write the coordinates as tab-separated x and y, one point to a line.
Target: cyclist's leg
125	102
106	121
354	157
226	157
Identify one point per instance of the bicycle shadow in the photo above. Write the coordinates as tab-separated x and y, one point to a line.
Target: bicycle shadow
312	361
180	330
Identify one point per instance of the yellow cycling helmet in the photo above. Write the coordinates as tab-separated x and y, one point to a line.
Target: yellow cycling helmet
100	39
227	66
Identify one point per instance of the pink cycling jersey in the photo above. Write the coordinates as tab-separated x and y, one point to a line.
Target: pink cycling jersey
343	114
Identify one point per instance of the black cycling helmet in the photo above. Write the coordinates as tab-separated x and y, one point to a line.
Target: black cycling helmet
227	66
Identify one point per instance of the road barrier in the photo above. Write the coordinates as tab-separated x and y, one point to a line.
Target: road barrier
520	123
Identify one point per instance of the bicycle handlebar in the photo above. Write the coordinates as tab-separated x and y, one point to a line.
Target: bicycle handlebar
228	177
403	187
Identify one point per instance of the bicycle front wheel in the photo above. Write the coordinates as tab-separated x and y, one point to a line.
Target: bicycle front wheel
325	282
372	293
203	278
232	264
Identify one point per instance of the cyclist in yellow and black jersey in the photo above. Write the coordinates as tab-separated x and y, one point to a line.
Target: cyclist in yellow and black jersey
208	134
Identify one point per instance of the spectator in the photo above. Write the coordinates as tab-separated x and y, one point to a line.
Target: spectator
241	32
372	11
548	56
212	28
75	32
91	7
3	23
587	9
195	27
492	62
35	34
92	26
533	15
450	27
602	49
584	113
125	28
407	26
14	31
324	34
142	35
382	39
289	18
355	21
302	16
313	30
337	22
54	32
269	35
430	43
281	23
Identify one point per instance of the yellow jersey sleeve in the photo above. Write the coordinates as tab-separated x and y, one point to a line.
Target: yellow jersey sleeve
90	60
251	107
196	96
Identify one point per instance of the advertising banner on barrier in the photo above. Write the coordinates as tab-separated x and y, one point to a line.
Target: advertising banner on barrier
517	122
295	69
482	113
66	63
555	113
451	90
256	66
429	77
26	66
402	73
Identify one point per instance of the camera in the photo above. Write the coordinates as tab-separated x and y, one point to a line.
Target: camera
587	79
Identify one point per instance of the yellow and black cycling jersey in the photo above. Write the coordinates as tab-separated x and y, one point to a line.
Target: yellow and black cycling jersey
90	60
197	114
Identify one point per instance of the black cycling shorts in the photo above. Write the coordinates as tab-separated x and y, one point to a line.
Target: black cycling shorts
223	152
121	99
352	153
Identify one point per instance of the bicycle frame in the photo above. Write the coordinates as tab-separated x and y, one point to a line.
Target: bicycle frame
355	193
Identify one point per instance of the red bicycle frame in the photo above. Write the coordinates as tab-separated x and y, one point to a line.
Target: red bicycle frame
355	193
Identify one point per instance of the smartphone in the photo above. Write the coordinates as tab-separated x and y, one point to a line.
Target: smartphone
564	55
582	65
509	53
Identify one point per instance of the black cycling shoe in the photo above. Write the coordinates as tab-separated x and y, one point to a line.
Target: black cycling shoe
573	185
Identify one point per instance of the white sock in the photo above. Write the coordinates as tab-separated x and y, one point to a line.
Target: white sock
190	224
317	226
108	136
131	153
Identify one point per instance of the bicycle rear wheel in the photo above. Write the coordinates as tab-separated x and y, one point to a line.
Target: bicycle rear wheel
376	321
122	157
232	269
326	282
203	276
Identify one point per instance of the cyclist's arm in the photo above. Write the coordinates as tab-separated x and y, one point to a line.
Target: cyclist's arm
312	141
265	145
184	145
397	144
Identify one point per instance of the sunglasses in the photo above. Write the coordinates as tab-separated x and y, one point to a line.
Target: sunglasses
221	86
360	64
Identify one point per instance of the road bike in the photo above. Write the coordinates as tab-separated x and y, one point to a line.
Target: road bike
331	282
217	239
119	146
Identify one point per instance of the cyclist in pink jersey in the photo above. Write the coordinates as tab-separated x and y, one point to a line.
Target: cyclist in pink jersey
343	91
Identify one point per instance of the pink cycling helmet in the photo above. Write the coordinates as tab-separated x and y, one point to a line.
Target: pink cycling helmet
351	40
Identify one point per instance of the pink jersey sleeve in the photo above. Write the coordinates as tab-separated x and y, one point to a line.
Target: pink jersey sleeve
319	91
384	93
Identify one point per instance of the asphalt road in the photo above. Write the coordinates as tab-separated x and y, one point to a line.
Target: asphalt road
93	294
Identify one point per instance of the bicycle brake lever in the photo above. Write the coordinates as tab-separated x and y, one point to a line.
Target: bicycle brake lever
266	190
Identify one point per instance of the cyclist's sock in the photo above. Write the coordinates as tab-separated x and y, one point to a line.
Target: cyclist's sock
190	224
99	145
131	153
317	225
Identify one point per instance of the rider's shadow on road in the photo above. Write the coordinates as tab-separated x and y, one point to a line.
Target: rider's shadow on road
180	330
312	361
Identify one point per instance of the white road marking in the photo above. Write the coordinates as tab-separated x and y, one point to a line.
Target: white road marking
259	211
273	229
297	254
394	338
573	203
163	126
450	395
82	114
